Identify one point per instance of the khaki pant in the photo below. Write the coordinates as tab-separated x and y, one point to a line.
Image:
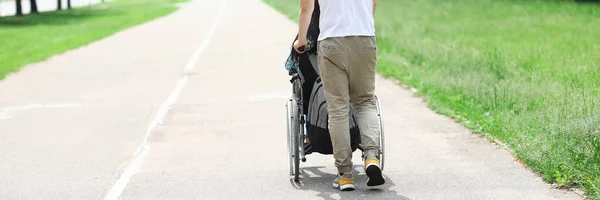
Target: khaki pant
347	68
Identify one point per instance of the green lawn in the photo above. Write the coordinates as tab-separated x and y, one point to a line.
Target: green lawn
34	38
526	73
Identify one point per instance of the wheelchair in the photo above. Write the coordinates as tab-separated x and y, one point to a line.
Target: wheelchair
299	146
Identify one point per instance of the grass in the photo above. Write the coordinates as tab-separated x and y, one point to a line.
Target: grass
34	38
526	73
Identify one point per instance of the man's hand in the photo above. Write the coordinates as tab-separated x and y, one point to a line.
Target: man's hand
298	44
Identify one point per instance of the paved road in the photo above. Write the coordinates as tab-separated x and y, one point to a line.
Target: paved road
9	8
191	106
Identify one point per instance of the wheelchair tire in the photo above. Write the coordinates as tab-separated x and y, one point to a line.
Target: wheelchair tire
381	134
288	116
294	138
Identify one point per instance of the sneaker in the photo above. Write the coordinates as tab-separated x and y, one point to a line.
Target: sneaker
373	171
344	182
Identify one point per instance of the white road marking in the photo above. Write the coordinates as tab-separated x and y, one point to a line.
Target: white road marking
34	106
5	115
139	156
5	112
265	97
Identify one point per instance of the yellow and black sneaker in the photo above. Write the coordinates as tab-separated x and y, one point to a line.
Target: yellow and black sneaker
373	171
344	182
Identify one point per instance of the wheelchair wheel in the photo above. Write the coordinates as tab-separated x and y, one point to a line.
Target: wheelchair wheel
381	134
293	138
288	108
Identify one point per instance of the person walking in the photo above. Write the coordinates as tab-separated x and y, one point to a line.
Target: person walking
347	57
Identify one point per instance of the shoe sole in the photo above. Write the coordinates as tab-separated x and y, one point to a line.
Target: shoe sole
375	177
347	187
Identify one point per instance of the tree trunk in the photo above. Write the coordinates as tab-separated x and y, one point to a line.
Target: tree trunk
19	8
34	8
59	5
69	4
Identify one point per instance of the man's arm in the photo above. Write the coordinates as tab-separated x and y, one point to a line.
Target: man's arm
306	10
374	7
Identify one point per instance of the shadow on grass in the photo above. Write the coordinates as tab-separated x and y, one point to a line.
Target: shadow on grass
314	179
577	2
57	17
587	1
84	13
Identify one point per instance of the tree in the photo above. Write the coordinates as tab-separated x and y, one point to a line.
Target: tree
34	8
69	4
59	5
19	8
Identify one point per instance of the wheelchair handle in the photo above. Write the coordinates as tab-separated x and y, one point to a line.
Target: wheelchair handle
302	48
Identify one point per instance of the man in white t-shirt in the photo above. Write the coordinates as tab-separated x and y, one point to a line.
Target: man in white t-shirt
347	54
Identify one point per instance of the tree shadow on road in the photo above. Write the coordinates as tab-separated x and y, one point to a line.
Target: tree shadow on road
314	179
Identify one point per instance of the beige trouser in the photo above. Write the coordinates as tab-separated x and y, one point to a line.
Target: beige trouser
347	68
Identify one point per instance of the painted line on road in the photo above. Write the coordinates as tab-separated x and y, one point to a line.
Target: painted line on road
5	115
5	112
36	106
138	157
270	96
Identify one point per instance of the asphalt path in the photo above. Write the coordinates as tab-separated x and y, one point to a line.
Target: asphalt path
192	106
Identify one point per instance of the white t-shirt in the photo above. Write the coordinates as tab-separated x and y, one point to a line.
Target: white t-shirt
340	18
